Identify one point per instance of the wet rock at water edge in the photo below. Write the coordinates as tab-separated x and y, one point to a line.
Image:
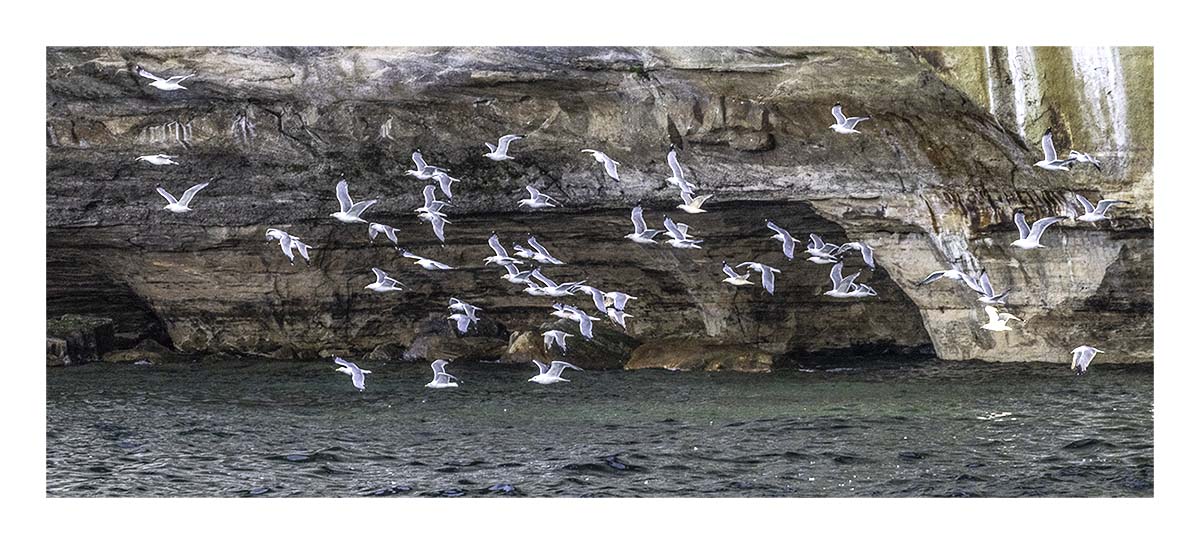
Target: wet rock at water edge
694	354
75	339
608	349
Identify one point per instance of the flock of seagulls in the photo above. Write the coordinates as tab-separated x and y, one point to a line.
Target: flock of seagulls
612	304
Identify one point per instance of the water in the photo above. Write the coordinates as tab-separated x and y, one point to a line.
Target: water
299	429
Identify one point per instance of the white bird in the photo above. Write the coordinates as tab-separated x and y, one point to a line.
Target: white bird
438	222
350	210
598	297
1051	161
375	229
556	337
553	289
955	274
465	307
427	264
617	316
842	286
537	200
641	234
610	166
302	248
462	322
1092	214
997	321
677	172
692	204
287	244
1081	357
541	254
844	125
679	236
514	275
423	171
444	181
1083	158
821	251
1031	237
768	274
581	317
157	160
868	253
501	257
618	299
988	294
500	152
170	84
441	379
383	283
357	375
789	243
551	374
733	278
861	290
181	205
432	204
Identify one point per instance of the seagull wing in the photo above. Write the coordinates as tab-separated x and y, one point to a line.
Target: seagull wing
504	141
170	198
191	193
729	271
930	278
285	243
817	242
538	247
439	227
1103	206
1022	226
1041	225
610	166
835	274
986	285
542	367
533	193
1048	147
494	243
429	195
768	279
343	196
556	367
1087	206
585	324
673	162
142	72
419	161
639	223
991	313
379	275
359	207
837	114
851	122
673	229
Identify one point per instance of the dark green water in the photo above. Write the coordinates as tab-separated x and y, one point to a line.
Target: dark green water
300	429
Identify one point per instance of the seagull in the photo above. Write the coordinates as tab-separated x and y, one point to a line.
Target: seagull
350	210
768	274
427	264
552	288
500	152
302	248
556	337
1092	214
868	253
861	291
501	257
598	297
375	229
841	286
1081	357
542	255
170	84
617	316
844	125
610	166
444	180
285	242
690	204
955	274
578	316
641	234
438	222
537	199
734	278
514	275
989	295
789	243
432	204
441	380
357	375
998	322
677	172
423	171
679	237
551	374
1051	162
181	205
157	160
1084	158
618	299
821	251
462	322
464	307
1031	237
383	283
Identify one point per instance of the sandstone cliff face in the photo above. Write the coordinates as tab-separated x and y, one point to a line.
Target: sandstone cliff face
933	180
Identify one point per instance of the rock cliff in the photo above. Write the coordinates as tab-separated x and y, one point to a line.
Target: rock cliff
932	181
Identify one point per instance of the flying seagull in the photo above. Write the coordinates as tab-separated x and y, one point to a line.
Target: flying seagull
988	295
733	278
1031	237
287	243
462	322
375	229
541	254
789	243
1083	158
465	307
768	274
357	375
556	337
1081	357
641	234
842	286
679	237
170	84
438	222
441	380
514	275
618	299
181	205
501	257
585	321
423	171
868	253
677	172
997	321
427	264
617	317
1092	214
551	374
844	125
552	288
432	204
500	152
444	180
537	199
597	297
692	204
383	283
1051	161
157	160
350	210
955	274
610	166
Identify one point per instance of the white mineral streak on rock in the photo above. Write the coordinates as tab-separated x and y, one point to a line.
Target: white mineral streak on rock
1027	95
1102	83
